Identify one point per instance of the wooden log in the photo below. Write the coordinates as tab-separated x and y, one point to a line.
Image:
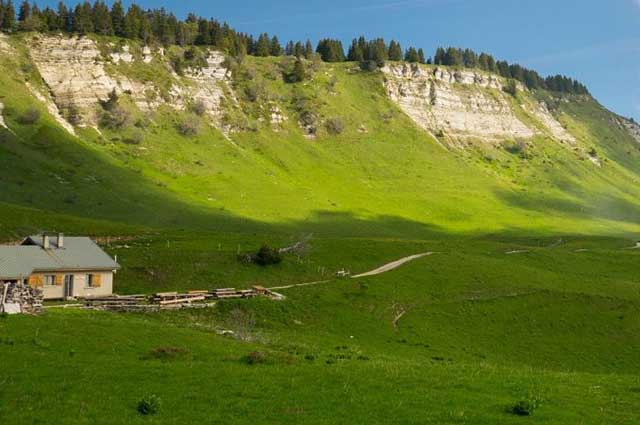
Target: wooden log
182	300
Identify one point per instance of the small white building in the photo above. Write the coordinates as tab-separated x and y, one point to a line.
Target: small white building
61	267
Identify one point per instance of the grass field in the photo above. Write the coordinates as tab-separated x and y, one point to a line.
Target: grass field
530	295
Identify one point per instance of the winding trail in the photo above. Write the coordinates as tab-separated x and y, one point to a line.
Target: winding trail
387	267
393	265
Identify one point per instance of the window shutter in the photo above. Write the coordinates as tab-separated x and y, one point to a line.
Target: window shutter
97	280
36	281
59	279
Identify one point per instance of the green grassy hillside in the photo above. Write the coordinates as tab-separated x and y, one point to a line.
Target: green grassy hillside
530	295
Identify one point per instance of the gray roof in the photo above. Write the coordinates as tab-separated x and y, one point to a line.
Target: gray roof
79	253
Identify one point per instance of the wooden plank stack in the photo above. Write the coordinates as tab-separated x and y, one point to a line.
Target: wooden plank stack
20	298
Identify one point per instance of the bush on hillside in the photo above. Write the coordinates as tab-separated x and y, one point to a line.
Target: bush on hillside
334	126
198	107
114	116
134	139
254	358
149	405
189	125
511	88
515	147
30	116
267	256
370	65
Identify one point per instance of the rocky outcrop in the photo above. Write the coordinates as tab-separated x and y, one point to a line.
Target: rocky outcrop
463	104
440	100
2	123
632	127
52	108
541	113
74	71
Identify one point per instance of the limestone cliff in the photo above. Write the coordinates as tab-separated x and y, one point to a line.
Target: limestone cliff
74	69
464	104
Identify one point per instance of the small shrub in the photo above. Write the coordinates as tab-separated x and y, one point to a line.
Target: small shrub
267	256
166	354
115	119
527	406
198	108
189	125
30	116
149	405
515	147
254	358
524	408
369	66
511	88
334	126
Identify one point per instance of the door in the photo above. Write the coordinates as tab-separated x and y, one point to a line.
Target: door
68	286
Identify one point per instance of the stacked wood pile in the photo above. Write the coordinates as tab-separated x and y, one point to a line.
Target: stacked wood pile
17	297
173	300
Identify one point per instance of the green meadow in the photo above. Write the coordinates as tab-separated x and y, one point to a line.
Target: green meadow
530	295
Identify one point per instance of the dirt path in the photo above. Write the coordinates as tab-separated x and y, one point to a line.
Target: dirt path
379	270
393	265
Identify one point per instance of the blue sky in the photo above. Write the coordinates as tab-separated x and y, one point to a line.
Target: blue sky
595	41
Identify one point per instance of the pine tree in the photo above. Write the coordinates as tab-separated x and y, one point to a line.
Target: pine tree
263	46
275	49
82	18
1	13
102	19
453	57
411	55
308	50
331	50
356	53
133	22
298	50
288	49
118	19
395	51
24	16
439	58
421	57
9	21
299	72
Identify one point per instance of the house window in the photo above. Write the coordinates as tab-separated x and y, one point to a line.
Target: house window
89	280
50	280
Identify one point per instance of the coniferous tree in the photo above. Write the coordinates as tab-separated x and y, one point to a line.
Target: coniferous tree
275	49
298	50
395	51
1	13
453	57
439	58
102	19
263	46
9	17
308	50
331	50
356	53
411	55
421	57
118	19
24	16
133	22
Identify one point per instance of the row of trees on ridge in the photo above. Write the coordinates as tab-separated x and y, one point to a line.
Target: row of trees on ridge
162	27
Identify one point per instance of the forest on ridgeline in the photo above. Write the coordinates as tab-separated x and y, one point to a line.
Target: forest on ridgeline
158	26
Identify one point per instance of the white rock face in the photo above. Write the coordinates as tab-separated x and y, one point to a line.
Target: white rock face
458	103
432	100
632	127
207	85
124	56
74	72
2	123
541	113
52	108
